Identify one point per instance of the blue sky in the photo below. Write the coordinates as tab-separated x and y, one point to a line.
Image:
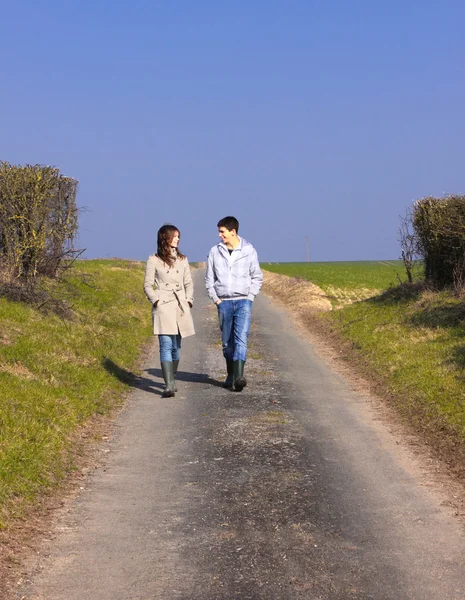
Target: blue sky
324	118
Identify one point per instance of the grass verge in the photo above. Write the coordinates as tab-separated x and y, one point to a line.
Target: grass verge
55	374
413	340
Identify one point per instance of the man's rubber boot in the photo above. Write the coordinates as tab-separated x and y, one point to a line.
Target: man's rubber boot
175	368
239	380
229	381
168	375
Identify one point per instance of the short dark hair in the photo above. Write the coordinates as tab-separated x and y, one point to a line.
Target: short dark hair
230	223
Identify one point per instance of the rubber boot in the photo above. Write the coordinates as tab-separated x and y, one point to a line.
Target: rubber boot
175	369
239	380
229	381
168	376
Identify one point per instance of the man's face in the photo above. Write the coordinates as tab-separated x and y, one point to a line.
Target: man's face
226	235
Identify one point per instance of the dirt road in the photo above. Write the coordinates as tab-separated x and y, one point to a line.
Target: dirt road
291	489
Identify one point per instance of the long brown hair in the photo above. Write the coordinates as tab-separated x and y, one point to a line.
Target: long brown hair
165	235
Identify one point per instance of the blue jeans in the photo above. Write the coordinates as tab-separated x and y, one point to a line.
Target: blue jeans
235	317
170	347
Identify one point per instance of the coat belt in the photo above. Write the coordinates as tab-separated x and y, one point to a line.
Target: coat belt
179	301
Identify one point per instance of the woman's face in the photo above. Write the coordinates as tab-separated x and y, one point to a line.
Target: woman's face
175	240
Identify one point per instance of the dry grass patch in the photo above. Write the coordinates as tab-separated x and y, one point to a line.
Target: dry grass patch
297	293
17	370
5	340
342	296
423	334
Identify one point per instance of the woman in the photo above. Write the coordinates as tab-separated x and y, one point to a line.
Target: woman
173	296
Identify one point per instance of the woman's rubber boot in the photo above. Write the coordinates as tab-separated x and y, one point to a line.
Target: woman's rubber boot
229	381
175	368
239	380
168	375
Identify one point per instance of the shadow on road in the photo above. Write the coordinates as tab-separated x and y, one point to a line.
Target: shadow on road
149	383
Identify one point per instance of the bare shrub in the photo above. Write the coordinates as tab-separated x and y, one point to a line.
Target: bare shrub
459	278
433	230
38	220
408	244
439	226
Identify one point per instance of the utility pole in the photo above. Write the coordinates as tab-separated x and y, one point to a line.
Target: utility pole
307	249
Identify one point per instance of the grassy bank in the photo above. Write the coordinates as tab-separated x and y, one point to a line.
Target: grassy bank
56	373
410	339
416	344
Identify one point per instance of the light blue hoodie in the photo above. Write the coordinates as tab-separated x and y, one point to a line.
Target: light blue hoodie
233	276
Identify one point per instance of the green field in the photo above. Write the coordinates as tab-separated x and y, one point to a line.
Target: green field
377	275
56	373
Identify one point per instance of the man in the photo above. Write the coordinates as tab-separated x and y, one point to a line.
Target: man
233	279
